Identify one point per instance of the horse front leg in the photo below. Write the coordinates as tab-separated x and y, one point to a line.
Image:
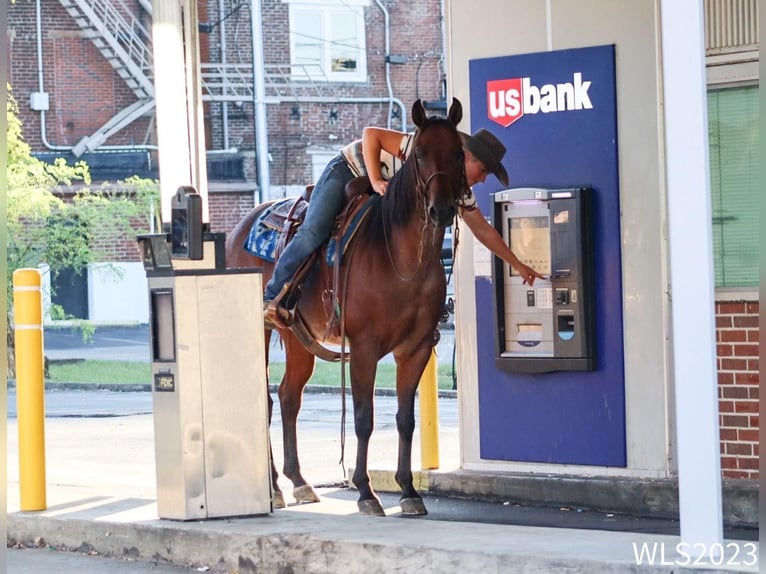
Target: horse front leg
408	373
363	367
299	366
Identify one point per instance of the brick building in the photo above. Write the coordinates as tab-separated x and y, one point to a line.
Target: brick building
327	74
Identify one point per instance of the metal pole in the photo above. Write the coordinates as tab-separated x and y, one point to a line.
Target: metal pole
224	78
259	105
428	394
30	388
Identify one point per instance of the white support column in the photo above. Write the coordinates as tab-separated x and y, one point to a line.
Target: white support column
195	111
170	97
691	272
180	130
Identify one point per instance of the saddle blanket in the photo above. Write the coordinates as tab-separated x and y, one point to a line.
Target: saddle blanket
264	234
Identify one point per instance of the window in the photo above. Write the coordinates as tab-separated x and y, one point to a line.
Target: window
327	40
733	139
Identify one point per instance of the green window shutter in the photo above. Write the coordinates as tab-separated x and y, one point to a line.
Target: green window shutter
733	137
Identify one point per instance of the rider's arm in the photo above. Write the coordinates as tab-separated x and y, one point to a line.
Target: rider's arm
375	140
492	240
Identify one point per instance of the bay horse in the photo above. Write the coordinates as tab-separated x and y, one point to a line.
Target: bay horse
394	290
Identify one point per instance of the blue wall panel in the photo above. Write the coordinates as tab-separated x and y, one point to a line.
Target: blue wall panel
562	417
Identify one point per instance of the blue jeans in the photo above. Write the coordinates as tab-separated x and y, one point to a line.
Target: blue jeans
327	200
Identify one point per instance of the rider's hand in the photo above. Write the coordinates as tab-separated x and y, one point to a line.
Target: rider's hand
379	186
529	275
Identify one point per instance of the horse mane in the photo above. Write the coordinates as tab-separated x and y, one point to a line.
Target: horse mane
395	208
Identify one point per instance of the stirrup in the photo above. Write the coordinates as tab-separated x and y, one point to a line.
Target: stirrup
275	316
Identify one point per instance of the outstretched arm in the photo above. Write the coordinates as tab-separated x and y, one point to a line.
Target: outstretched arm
375	140
492	240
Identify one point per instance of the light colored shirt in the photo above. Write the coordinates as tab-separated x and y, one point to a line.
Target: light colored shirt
390	164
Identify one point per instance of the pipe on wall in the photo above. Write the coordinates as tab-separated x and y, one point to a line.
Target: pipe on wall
41	89
387	29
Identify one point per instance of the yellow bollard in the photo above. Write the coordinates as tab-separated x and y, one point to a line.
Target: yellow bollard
30	388
428	392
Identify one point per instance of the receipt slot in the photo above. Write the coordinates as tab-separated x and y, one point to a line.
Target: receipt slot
549	326
209	386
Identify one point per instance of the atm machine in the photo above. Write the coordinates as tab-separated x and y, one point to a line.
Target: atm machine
549	326
209	384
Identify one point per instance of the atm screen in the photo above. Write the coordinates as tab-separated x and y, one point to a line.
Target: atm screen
530	241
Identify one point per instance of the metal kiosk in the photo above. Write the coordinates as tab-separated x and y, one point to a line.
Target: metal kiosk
209	383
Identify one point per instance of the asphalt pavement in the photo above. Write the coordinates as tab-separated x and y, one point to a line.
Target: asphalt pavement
37	560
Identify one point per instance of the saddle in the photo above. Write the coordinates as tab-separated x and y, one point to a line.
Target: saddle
358	195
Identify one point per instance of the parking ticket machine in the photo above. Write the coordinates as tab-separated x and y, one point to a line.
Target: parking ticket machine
548	326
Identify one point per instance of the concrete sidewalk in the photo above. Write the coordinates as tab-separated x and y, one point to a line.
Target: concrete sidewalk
101	497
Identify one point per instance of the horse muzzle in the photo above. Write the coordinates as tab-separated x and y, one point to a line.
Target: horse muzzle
442	216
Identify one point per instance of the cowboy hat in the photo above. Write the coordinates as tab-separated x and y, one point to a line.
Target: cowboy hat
488	150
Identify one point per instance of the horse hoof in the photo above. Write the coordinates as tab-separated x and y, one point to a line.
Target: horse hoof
278	499
370	507
305	493
413	507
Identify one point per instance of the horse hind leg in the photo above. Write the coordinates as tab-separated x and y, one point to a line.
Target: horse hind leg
277	498
299	366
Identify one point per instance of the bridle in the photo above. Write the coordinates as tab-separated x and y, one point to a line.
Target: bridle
422	188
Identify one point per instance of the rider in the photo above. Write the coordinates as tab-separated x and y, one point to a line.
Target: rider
378	155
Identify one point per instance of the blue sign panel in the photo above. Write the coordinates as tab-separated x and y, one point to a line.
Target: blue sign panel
556	114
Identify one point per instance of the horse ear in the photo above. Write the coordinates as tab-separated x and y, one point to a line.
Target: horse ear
418	113
455	111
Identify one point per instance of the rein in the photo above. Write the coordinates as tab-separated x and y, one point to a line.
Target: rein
420	251
421	187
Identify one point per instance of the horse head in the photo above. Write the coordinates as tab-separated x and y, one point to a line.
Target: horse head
439	162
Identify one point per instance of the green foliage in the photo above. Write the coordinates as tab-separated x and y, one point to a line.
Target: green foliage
55	217
101	372
328	375
45	228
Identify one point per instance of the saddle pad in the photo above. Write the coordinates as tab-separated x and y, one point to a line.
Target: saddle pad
349	231
264	234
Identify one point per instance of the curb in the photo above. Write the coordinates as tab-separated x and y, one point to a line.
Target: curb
298	542
648	498
147	387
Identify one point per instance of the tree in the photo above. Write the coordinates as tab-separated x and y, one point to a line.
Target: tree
56	217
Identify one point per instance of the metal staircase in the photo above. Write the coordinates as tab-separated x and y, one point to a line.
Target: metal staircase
282	83
127	46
